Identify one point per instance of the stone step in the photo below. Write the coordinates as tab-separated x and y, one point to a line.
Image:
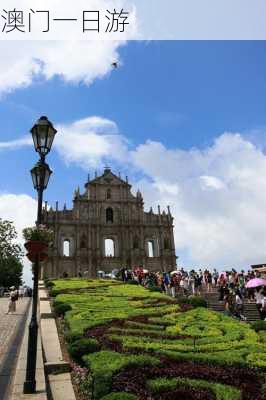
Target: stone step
216	306
250	310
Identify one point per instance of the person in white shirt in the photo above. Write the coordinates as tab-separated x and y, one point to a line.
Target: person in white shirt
259	299
12	301
263	306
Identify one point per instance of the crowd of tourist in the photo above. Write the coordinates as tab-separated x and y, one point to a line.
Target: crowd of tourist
231	286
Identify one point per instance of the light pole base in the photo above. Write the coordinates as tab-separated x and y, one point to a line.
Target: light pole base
29	387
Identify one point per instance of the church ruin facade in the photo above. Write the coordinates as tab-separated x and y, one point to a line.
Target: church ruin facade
108	229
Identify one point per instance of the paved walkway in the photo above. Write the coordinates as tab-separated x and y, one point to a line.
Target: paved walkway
11	332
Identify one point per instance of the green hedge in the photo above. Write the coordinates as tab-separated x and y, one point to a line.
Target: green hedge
71	337
132	282
194	301
259	326
105	364
155	289
120	396
61	308
53	292
81	347
49	284
221	392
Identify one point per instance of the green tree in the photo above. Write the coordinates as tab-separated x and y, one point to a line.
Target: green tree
10	272
10	255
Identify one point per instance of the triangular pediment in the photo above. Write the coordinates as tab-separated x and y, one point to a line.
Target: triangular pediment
108	178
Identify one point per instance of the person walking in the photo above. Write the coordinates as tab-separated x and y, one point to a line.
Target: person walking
166	281
191	281
215	276
123	275
185	287
198	283
259	300
209	281
173	285
205	277
239	305
12	300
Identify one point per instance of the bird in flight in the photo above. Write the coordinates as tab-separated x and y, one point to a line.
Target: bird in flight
115	64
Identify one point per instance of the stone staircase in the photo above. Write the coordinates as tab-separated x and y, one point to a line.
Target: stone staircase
250	309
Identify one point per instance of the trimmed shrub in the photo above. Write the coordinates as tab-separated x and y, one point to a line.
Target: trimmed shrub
198	301
49	284
82	347
194	301
120	396
155	289
257	359
132	282
53	292
61	308
105	364
72	337
259	326
222	392
262	335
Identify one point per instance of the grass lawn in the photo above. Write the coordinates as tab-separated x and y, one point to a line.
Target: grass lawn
140	344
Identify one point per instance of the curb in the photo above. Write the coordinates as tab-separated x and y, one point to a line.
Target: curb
57	370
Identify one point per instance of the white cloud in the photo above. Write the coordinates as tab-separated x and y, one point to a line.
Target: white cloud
21	209
87	142
218	198
91	141
74	62
211	182
14	144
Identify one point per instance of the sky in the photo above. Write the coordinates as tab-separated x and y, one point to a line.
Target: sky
185	120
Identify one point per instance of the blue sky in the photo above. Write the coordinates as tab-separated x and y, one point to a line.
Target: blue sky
165	97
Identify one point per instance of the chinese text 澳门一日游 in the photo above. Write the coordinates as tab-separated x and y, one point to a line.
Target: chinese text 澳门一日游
42	21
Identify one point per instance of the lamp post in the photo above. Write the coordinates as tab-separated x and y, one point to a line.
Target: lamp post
43	134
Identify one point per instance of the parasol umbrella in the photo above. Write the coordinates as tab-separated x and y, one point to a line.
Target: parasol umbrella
256	282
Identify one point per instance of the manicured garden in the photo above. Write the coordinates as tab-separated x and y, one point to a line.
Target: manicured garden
130	343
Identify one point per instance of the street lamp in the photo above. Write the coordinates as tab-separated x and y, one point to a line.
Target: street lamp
40	174
43	134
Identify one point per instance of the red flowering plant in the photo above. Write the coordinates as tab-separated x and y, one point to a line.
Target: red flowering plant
37	239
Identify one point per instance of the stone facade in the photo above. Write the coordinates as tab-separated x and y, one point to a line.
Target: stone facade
108	214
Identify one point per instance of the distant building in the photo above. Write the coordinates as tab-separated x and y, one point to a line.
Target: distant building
259	267
107	229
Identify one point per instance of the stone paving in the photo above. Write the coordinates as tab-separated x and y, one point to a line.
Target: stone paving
11	331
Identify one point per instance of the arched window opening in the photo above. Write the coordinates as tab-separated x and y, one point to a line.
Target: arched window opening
83	242
109	215
150	248
66	248
109	248
166	243
135	243
108	194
